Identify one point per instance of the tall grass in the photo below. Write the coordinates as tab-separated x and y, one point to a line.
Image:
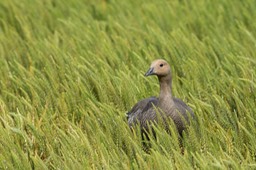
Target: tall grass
70	70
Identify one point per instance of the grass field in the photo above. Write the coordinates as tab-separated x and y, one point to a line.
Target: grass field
70	70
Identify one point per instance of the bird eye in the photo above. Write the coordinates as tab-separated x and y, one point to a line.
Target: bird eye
161	65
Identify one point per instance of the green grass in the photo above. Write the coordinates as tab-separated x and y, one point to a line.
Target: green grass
70	70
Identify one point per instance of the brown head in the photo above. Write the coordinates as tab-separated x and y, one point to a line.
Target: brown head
159	68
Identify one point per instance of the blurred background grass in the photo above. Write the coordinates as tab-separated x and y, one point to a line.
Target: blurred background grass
70	70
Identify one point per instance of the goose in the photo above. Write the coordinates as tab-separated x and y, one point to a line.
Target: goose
145	112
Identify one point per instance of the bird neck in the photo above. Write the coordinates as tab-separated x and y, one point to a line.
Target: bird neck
165	88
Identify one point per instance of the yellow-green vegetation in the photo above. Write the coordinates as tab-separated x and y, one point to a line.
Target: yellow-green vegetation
71	69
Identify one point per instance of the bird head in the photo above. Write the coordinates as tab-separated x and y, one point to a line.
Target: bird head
159	68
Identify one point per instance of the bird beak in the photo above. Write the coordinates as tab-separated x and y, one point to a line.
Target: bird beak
150	72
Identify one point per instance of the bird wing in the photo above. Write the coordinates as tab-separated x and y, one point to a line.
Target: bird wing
183	108
140	109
